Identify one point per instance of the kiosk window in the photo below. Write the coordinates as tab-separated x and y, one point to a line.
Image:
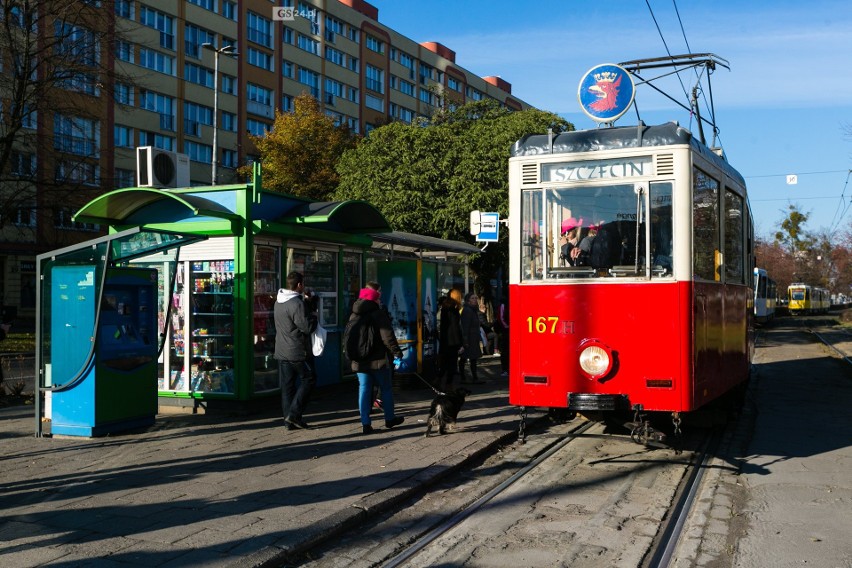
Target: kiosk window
319	268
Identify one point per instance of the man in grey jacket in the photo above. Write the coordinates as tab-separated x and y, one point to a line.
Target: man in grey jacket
295	320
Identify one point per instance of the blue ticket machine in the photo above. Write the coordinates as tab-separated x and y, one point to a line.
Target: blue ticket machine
114	387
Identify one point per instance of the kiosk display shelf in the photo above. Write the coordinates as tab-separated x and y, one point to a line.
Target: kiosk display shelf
266	285
201	356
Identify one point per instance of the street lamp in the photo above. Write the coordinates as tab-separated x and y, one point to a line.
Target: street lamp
224	50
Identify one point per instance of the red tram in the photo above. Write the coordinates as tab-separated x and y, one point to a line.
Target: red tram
631	281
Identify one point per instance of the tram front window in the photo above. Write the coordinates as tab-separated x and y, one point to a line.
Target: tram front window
597	231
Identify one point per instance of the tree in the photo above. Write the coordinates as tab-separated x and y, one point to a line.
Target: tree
426	177
56	68
792	234
299	155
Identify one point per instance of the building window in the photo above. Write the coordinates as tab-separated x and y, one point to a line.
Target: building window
157	140
257	127
229	84
124	178
229	121
29	118
287	35
332	89
425	73
375	79
406	60
406	88
23	164
123	136
229	10
124	51
454	84
206	4
157	61
426	96
198	74
229	158
287	103
76	135
309	44
375	44
259	29
161	104
124	9
333	28
311	14
352	64
259	100
311	80
198	152
77	44
334	55
195	115
123	94
161	22
77	173
25	217
193	37
260	59
287	68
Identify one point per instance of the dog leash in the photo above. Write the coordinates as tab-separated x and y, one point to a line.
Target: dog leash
428	384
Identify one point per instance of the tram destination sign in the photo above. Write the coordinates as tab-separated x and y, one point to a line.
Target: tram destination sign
597	169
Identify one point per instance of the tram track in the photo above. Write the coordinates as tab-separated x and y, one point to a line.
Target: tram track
657	485
442	529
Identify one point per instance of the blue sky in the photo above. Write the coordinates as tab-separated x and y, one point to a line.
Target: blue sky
785	107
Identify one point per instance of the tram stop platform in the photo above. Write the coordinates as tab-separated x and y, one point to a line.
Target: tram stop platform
213	490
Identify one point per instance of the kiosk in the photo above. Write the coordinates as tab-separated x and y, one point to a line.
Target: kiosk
230	249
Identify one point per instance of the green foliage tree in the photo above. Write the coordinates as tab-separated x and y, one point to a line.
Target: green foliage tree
427	177
299	155
792	234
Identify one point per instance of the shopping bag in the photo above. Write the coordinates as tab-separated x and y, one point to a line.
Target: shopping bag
318	340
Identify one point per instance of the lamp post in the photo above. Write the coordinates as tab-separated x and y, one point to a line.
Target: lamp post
224	50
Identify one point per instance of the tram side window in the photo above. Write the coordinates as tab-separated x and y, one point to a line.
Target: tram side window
734	238
661	225
705	222
532	261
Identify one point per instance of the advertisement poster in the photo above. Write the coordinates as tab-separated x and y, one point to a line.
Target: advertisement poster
399	296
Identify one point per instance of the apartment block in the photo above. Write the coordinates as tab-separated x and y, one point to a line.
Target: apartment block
184	66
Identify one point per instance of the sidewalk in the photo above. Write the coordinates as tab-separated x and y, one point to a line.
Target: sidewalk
208	490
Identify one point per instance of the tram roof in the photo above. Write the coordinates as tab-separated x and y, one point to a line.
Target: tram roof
595	140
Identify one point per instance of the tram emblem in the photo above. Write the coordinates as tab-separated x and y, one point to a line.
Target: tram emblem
606	92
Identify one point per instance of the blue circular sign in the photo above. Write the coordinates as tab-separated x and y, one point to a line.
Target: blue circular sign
606	92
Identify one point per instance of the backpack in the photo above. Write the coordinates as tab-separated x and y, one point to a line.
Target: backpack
359	338
606	247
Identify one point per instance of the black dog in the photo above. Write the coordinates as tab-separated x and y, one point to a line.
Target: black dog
445	410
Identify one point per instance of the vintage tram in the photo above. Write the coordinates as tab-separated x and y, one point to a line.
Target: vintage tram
630	281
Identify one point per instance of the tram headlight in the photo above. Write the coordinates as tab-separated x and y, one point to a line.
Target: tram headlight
595	359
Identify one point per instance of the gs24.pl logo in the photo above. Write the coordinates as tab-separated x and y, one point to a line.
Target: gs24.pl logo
289	14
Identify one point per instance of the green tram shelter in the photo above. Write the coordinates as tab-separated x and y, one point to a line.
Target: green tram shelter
218	256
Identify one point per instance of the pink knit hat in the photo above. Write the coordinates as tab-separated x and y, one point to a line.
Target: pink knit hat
570	223
369	294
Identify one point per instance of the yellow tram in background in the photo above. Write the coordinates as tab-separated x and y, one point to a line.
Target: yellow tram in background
806	299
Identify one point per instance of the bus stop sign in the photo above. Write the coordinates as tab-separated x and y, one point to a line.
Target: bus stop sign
489	227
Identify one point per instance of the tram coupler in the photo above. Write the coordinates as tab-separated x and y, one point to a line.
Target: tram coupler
641	431
522	427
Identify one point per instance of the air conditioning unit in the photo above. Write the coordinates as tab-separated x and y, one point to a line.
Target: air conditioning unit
161	168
